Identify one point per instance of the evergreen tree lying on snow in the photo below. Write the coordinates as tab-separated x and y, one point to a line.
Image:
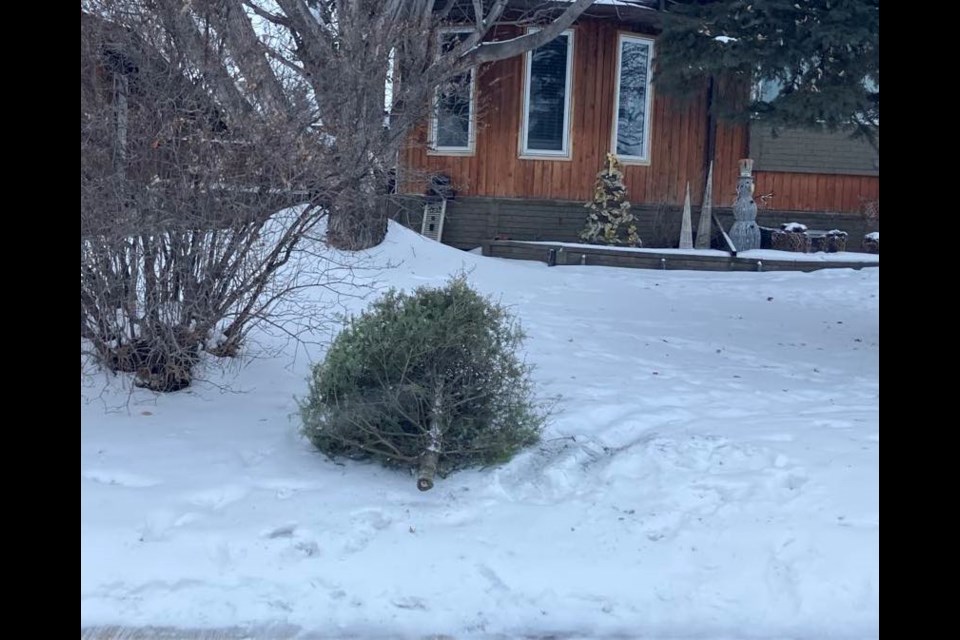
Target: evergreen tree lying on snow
428	380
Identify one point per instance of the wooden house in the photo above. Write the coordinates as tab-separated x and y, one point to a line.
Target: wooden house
537	128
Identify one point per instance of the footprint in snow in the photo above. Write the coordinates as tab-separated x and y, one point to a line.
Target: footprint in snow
282	531
365	524
118	478
410	602
186	519
308	548
253	458
778	437
302	546
160	523
285	488
789	483
218	497
833	424
491	576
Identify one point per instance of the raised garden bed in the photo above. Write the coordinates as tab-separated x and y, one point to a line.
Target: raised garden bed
567	253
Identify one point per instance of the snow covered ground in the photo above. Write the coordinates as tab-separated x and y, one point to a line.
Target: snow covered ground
712	471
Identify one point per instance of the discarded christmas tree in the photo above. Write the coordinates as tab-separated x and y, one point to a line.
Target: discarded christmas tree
430	380
610	220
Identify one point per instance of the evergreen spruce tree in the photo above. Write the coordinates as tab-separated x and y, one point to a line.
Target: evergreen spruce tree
610	220
812	63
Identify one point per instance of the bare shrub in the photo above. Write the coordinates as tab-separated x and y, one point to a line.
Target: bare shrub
180	250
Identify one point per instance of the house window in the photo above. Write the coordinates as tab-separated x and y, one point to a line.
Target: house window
766	90
452	125
770	89
631	118
547	97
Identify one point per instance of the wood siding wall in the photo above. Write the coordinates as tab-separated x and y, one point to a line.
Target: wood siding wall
678	139
677	143
816	191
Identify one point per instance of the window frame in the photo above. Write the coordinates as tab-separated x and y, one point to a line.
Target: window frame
566	143
645	159
433	148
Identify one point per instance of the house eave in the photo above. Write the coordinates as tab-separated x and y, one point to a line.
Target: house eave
626	12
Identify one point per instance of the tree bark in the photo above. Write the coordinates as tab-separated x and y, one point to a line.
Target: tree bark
431	457
428	468
358	215
357	226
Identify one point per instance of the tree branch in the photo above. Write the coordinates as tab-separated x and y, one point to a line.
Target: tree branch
250	57
503	49
181	27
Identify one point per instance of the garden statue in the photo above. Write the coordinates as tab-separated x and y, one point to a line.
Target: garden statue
745	233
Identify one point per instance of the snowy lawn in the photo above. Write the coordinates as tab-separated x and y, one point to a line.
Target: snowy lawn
712	471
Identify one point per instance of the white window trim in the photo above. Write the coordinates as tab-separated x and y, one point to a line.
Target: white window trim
433	148
539	154
648	108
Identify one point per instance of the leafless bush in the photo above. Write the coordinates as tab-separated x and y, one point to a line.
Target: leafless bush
182	249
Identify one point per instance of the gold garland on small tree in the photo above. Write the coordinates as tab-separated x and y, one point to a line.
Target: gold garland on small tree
610	220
